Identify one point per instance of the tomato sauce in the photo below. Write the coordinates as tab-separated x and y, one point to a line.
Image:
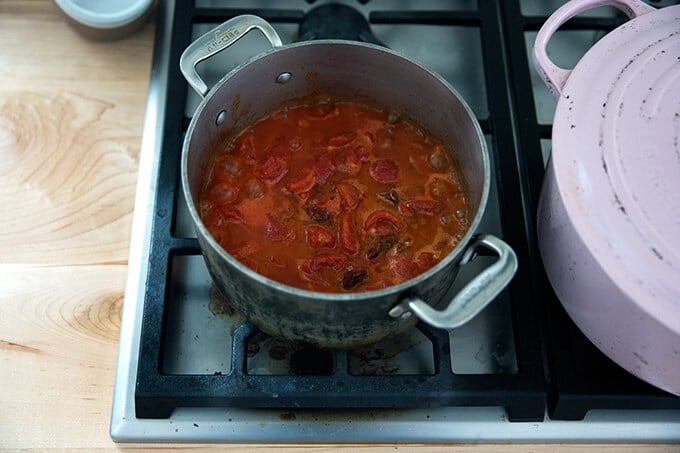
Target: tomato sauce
335	197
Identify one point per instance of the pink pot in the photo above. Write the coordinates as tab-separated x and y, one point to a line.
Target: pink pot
609	213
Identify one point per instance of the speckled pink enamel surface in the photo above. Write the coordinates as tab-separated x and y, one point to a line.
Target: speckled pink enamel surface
609	214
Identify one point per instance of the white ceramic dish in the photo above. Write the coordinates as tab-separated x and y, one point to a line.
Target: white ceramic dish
105	20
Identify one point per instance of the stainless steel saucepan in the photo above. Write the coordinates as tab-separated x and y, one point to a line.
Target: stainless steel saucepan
344	70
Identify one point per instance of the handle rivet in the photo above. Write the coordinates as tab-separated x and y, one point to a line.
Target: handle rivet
284	77
220	117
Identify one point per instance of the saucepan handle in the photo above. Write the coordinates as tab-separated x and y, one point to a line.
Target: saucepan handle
476	295
219	39
554	76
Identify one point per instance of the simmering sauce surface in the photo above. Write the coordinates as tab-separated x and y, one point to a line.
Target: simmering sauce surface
334	197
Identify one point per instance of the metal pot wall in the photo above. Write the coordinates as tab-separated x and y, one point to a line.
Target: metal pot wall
609	212
343	70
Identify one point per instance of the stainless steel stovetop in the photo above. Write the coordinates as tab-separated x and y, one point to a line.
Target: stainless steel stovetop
197	329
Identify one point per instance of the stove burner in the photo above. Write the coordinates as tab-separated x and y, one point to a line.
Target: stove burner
362	379
336	21
311	362
323	379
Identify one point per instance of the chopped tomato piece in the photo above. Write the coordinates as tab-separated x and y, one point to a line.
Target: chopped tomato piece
323	167
335	261
425	206
212	218
332	205
361	153
218	216
231	215
384	170
404	210
319	237
245	249
381	223
302	185
350	195
426	260
310	269
246	148
370	136
403	268
351	160
347	235
279	150
276	231
272	170
343	139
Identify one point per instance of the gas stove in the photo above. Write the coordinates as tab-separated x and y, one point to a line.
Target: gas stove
191	369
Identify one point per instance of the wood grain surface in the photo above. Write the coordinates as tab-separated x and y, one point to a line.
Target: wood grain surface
71	118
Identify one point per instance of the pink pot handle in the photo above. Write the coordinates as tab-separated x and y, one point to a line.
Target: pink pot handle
554	76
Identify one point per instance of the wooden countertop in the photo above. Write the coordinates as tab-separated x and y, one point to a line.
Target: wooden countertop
71	118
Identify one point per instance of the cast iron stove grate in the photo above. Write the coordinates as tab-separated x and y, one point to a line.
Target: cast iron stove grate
157	394
515	151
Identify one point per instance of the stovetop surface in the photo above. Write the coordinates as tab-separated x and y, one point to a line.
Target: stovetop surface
189	367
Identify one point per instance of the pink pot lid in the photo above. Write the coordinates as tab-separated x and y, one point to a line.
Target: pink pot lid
616	156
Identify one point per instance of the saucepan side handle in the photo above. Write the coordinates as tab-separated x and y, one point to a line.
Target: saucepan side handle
217	40
476	295
554	76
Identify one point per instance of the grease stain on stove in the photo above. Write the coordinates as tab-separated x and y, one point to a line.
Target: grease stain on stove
403	354
328	417
278	352
220	307
408	353
287	416
267	355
